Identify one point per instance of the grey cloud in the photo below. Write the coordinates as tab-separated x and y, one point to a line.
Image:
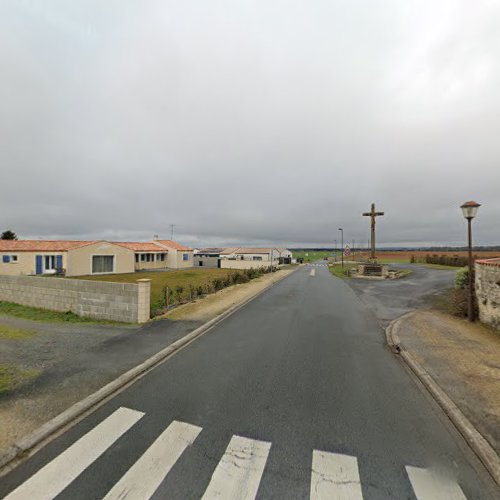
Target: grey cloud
259	122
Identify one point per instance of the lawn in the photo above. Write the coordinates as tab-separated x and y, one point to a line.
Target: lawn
186	278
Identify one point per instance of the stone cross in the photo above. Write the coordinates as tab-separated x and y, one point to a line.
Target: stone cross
372	214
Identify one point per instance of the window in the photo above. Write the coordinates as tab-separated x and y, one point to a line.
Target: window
5	259
162	257
13	258
103	263
50	262
185	256
137	257
148	257
257	257
143	257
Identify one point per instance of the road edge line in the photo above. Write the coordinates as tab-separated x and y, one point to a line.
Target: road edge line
479	445
27	443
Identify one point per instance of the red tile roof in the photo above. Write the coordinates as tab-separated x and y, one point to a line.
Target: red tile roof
489	262
172	244
41	245
138	246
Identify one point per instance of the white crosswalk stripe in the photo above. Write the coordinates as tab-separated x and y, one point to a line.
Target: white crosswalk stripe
239	472
313	272
335	476
144	477
428	485
50	480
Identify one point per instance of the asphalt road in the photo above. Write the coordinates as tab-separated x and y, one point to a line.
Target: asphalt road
294	396
389	299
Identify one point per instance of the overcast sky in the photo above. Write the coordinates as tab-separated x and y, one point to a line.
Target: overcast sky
250	121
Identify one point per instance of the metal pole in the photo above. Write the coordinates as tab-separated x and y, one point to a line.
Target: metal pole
471	281
342	247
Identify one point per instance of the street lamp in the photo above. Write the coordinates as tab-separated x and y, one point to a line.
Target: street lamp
342	246
469	209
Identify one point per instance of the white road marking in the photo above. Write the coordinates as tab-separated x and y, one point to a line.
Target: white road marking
335	476
51	479
428	485
144	477
239	471
313	272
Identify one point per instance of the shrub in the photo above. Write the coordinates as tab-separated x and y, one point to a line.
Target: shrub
199	290
412	259
462	278
217	284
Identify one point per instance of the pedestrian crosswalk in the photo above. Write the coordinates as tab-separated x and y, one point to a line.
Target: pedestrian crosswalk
237	475
319	265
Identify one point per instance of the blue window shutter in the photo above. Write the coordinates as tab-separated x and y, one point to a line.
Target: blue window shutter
59	262
38	264
6	258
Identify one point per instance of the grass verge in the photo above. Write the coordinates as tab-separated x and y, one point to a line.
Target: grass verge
36	314
337	271
8	332
11	377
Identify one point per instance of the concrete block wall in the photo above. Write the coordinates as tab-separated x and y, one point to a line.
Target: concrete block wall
488	291
127	302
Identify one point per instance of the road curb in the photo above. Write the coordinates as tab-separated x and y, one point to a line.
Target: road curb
472	436
9	456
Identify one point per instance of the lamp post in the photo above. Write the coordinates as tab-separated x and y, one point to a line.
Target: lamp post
342	246
469	209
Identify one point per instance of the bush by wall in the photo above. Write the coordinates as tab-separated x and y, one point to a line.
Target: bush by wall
448	260
183	295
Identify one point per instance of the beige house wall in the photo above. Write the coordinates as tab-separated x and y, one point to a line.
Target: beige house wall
157	264
79	262
175	259
26	262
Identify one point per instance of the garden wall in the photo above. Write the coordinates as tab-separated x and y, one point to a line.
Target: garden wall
245	264
127	302
488	291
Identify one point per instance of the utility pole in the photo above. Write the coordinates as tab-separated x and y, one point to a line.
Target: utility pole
172	231
342	246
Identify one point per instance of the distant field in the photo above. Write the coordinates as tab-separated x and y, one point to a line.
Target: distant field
312	256
404	257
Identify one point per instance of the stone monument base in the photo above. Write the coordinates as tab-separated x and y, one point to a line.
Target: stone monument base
373	269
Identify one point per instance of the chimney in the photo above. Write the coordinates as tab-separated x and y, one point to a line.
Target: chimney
155	237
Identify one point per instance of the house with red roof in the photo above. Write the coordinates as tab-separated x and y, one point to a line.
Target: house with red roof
79	258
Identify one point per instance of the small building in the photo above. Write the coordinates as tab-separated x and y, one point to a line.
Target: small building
245	258
71	258
285	256
207	257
